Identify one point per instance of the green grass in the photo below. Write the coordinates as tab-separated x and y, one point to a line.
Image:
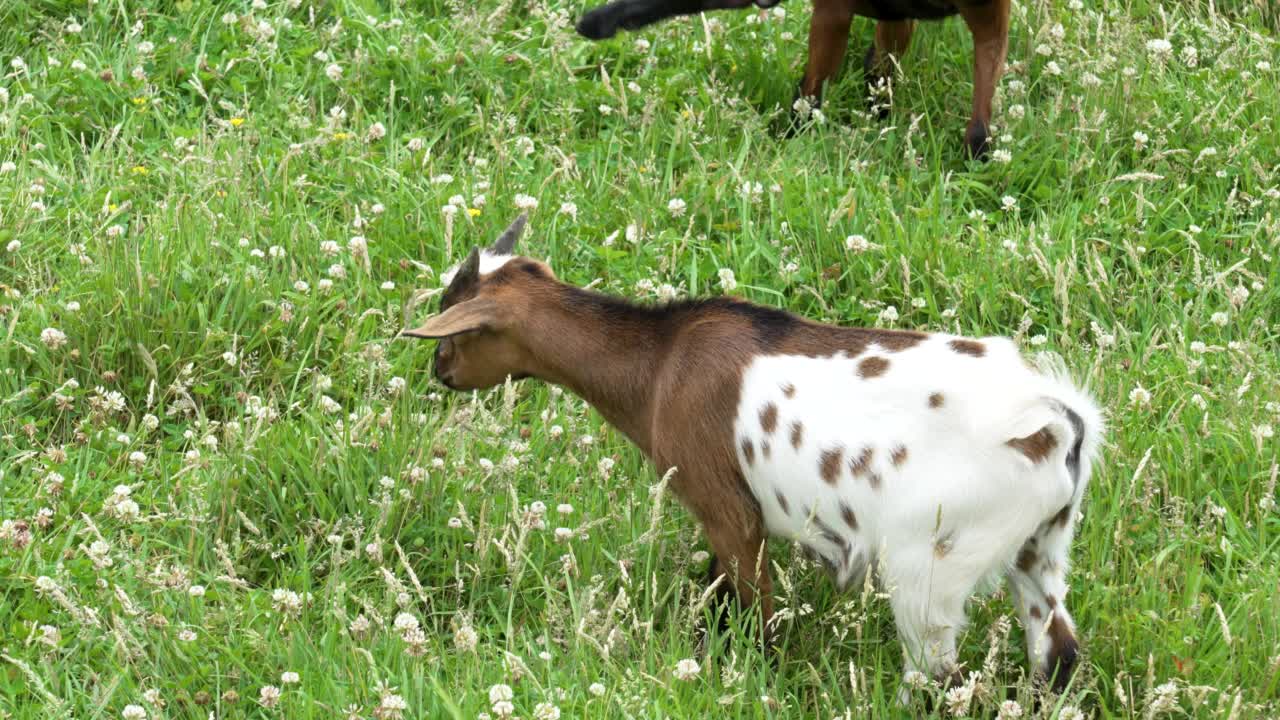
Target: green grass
139	209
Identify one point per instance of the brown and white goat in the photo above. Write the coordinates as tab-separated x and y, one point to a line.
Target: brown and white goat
988	21
937	461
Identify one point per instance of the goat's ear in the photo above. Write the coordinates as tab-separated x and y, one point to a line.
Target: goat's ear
506	242
468	271
475	314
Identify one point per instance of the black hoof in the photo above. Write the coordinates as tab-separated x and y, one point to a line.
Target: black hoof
977	141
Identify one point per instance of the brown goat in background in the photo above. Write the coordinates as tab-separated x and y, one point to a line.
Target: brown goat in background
988	21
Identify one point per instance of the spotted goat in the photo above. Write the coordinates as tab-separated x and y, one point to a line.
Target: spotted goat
987	20
934	461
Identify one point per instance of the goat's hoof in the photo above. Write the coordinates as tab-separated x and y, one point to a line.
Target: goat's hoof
1062	664
977	142
599	24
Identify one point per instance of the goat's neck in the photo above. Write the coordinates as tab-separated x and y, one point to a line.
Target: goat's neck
608	353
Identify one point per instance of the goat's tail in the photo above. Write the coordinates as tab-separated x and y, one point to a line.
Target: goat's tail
1069	415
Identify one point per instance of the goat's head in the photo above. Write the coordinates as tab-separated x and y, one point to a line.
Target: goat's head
483	313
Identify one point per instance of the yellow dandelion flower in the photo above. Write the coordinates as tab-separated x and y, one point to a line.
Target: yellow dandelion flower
112	207
140	170
237	121
341	136
139	101
473	212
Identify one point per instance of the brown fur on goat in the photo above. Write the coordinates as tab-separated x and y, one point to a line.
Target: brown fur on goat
988	22
839	438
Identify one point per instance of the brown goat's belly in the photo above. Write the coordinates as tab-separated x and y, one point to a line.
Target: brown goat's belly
909	9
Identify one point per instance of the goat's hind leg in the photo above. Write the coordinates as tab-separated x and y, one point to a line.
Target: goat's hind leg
1039	584
880	62
989	24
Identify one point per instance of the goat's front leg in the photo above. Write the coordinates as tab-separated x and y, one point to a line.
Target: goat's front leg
828	40
892	39
737	538
928	587
989	24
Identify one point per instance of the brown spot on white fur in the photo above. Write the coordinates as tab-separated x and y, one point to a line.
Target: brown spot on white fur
1034	612
1026	559
846	514
968	347
1035	446
789	390
874	480
936	400
748	451
797	434
829	464
898	456
1051	601
1063	517
766	449
769	418
861	464
873	366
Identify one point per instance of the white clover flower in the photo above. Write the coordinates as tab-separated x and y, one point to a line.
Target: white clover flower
1160	49
1010	709
53	338
465	638
289	678
500	692
596	689
333	71
856	244
268	696
133	712
1002	156
546	711
229	358
641	45
687	669
676	207
196	591
137	458
525	202
889	314
727	281
376	131
1190	56
1008	202
1140	396
563	534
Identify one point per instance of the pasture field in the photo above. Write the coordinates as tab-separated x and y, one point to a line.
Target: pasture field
227	491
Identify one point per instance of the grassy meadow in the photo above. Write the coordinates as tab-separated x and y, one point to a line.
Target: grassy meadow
226	490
